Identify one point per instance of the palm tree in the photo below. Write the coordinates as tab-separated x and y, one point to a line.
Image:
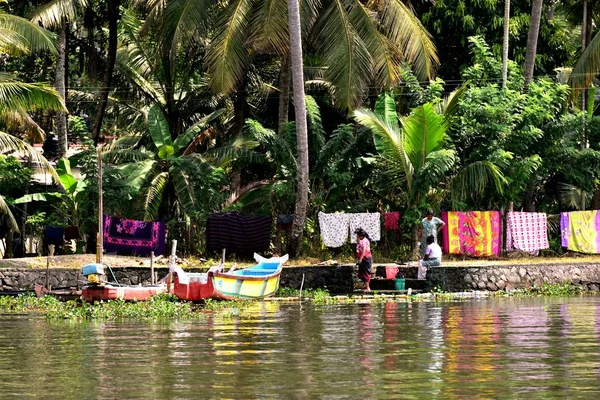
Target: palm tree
532	38
17	35
359	43
412	155
58	14
505	42
301	127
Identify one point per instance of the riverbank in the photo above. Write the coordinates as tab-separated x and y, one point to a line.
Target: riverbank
456	276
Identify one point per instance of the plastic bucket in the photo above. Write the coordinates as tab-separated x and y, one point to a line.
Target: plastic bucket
391	272
399	284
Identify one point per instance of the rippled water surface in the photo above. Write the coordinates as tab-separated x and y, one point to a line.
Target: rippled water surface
496	348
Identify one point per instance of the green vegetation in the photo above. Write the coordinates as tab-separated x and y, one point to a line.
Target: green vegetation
408	107
157	308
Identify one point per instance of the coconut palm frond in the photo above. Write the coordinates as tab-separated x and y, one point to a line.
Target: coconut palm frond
21	120
28	36
344	52
4	209
54	13
405	30
10	144
386	55
573	197
17	95
269	27
587	66
475	179
182	20
228	57
389	142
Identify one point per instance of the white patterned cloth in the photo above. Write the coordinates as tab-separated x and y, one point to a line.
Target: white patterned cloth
370	222
334	228
526	231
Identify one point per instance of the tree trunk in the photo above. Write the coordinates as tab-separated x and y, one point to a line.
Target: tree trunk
61	117
111	57
532	38
505	42
284	93
301	128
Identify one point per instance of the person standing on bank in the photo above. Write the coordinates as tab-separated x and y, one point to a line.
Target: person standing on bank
430	226
364	258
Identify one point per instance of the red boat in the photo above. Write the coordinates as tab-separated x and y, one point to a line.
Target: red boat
93	293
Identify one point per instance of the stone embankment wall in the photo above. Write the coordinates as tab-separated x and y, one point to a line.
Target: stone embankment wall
337	279
517	276
341	278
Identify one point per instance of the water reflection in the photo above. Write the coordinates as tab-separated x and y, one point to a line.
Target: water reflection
505	348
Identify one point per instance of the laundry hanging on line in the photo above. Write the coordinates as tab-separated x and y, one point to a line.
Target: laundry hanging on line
129	236
526	231
580	231
334	228
474	233
391	221
370	222
238	233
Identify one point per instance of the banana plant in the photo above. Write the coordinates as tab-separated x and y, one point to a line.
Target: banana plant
71	199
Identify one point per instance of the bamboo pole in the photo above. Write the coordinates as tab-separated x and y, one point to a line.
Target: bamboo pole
99	237
171	265
152	268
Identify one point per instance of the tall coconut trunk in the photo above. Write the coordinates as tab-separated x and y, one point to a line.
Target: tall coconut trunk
505	42
532	38
301	128
284	93
60	123
111	57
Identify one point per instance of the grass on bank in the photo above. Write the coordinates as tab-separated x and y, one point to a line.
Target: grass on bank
168	307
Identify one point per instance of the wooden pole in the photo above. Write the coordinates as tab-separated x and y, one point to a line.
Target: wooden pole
152	268
99	237
171	265
223	257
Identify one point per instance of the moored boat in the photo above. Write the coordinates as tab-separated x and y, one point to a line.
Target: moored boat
97	289
256	282
123	292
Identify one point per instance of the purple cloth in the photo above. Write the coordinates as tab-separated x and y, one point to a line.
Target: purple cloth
128	236
238	233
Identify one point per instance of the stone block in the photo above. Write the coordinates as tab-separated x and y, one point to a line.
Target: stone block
492	286
522	272
501	284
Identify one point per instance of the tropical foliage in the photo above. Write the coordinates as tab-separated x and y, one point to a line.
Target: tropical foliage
188	101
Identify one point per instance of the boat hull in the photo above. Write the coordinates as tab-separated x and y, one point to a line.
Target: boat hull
129	293
227	287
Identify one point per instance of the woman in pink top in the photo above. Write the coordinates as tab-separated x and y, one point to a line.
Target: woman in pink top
363	257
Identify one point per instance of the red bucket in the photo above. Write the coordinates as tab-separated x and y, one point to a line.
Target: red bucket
391	272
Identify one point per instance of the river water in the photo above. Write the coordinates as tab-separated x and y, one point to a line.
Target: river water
490	348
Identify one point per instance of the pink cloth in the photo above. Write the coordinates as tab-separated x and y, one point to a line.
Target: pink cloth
365	245
391	220
526	231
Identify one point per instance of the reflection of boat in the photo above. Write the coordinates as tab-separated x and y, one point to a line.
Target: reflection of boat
97	289
256	282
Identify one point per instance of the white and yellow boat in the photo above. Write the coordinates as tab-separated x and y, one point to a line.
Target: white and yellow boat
256	282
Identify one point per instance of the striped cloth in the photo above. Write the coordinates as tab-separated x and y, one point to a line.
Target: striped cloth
238	233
